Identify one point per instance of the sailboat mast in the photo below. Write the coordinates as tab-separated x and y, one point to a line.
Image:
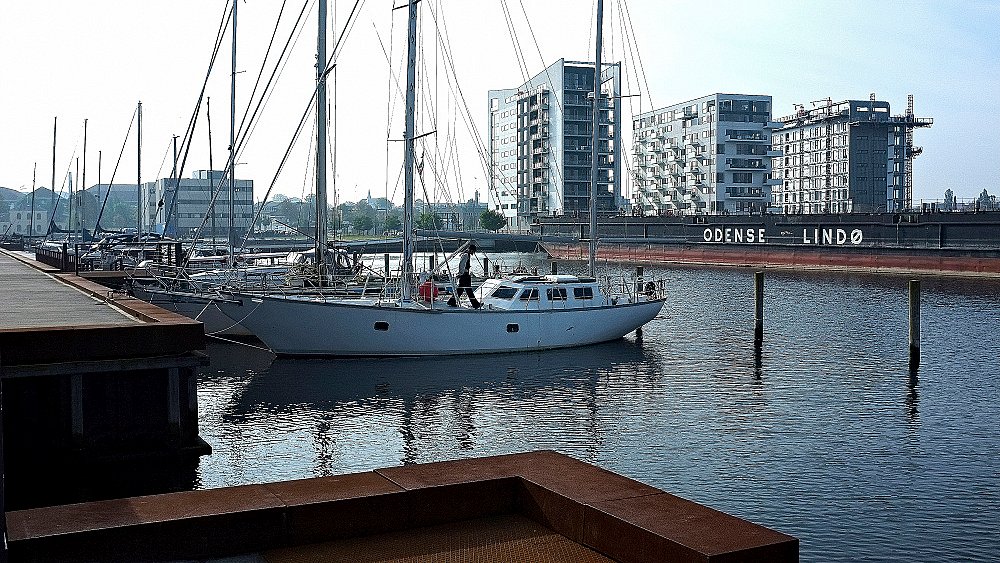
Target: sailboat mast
321	234
232	144
138	174
406	267
592	262
52	198
83	197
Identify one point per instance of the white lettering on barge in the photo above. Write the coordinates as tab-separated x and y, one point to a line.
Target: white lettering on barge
831	236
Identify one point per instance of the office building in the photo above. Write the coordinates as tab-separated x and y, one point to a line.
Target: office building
182	207
540	143
710	155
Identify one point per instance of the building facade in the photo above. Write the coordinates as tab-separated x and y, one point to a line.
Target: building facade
540	140
705	156
179	207
846	157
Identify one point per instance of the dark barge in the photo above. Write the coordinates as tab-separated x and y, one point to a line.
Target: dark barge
952	242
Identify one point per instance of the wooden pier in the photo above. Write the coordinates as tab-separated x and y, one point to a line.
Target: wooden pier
93	386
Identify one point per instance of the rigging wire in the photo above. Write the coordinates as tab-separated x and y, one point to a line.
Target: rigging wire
111	183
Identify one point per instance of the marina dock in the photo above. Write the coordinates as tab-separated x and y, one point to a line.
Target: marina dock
104	384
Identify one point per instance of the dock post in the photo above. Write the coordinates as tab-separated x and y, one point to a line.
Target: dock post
430	263
555	267
386	257
65	258
914	323
3	500
638	281
758	313
486	266
76	408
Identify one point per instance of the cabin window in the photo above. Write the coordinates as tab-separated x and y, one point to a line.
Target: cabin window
583	293
529	295
504	292
382	325
512	327
556	293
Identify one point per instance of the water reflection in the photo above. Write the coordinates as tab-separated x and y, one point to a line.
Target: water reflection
418	407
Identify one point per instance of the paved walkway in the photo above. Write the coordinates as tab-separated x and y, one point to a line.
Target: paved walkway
30	298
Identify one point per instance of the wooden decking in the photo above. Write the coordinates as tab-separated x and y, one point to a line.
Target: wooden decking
33	298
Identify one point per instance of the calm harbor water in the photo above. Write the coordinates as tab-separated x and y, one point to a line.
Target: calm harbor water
823	434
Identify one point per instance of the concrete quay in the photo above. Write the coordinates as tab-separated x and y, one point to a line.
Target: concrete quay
89	382
538	506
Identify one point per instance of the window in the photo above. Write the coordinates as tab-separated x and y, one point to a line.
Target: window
382	326
583	293
556	294
504	292
742	177
512	327
529	295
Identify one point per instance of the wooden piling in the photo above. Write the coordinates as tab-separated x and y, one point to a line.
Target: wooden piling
555	268
486	266
758	314
914	323
386	257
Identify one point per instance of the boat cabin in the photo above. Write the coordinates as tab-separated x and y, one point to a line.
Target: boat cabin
528	292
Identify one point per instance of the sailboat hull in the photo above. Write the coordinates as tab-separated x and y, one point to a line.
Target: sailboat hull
343	329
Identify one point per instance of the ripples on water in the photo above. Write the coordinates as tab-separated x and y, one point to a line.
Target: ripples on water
824	434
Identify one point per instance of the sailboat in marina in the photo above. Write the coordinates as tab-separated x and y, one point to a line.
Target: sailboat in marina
517	313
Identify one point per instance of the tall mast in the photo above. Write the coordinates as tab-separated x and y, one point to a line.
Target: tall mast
321	234
138	175
52	198
232	143
592	262
406	267
211	170
31	219
83	197
69	211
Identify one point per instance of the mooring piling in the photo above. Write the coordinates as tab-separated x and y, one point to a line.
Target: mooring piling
914	323
758	312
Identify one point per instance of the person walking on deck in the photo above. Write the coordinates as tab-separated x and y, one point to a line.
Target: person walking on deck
465	279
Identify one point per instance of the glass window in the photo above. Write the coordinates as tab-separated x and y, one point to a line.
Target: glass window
529	295
556	294
504	292
583	293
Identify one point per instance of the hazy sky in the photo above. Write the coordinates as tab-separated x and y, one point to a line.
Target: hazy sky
96	59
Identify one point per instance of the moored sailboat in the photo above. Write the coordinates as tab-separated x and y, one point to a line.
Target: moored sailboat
518	313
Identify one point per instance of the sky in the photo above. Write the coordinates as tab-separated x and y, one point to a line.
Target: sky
95	60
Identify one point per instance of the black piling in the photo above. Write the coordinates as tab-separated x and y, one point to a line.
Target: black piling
555	268
914	324
758	313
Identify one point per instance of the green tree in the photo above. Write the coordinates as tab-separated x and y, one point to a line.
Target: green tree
393	222
492	220
363	223
430	221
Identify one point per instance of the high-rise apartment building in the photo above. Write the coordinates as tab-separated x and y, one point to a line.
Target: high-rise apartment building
540	143
850	156
704	156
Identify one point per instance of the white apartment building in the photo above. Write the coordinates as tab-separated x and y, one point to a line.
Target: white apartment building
540	143
710	155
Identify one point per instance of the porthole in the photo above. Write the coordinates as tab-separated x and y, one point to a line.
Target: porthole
512	327
382	325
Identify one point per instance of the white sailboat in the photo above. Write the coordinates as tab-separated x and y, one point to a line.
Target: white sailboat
518	313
